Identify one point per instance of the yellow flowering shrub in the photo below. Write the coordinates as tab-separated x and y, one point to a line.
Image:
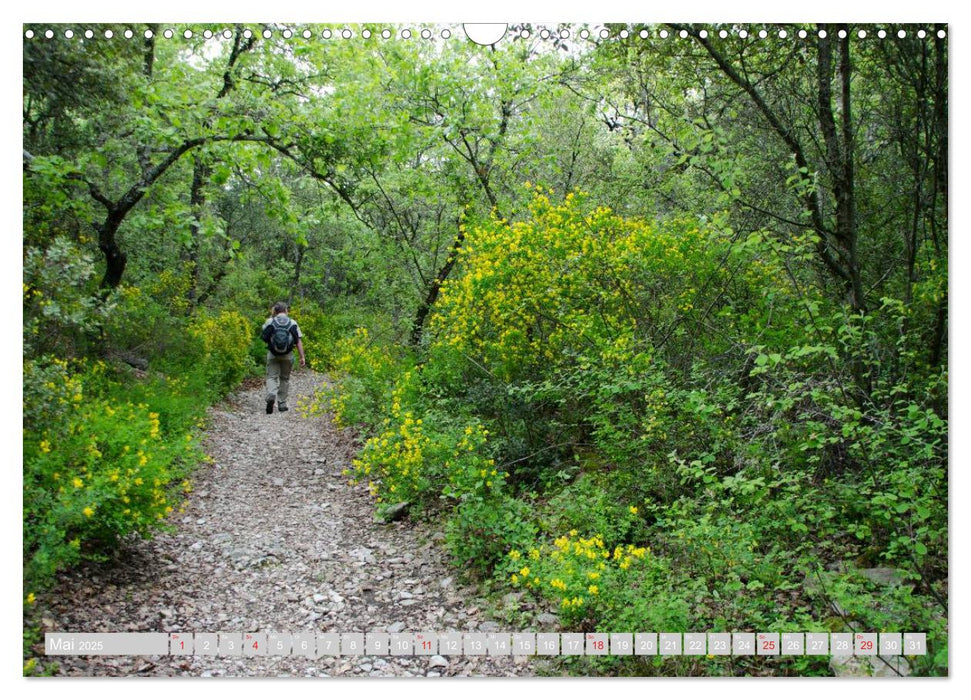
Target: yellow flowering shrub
426	455
51	389
577	326
393	461
587	581
565	286
364	375
171	287
321	335
422	453
97	466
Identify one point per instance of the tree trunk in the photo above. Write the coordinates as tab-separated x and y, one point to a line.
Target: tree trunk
115	258
298	264
201	172
836	249
418	325
197	201
839	145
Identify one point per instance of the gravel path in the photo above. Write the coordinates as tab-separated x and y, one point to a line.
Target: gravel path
274	540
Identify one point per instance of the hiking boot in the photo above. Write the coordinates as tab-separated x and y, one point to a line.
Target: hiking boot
284	408
269	405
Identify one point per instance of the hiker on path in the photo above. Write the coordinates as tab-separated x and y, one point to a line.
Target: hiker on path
281	335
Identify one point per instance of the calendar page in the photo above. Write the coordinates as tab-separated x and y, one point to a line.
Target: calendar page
430	349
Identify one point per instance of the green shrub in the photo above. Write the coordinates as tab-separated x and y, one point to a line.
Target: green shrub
594	503
480	532
63	308
97	469
667	383
144	326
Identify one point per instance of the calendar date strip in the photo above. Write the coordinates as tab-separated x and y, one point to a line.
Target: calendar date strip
316	645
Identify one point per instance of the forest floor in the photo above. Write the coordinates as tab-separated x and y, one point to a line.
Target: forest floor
274	539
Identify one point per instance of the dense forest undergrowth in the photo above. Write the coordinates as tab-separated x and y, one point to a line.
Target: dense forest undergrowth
659	329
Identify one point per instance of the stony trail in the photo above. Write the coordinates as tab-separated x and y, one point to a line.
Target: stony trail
273	539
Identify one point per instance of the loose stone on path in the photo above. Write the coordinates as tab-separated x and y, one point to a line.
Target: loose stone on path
273	539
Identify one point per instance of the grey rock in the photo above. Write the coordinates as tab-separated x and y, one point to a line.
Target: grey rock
362	554
890	666
511	600
547	619
884	576
391	513
139	363
868	666
396	627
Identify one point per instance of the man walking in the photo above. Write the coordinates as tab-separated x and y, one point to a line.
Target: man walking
281	335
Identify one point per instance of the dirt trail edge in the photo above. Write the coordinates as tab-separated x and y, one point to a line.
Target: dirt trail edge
273	539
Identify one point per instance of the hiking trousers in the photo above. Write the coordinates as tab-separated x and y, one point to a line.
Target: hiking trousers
278	377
